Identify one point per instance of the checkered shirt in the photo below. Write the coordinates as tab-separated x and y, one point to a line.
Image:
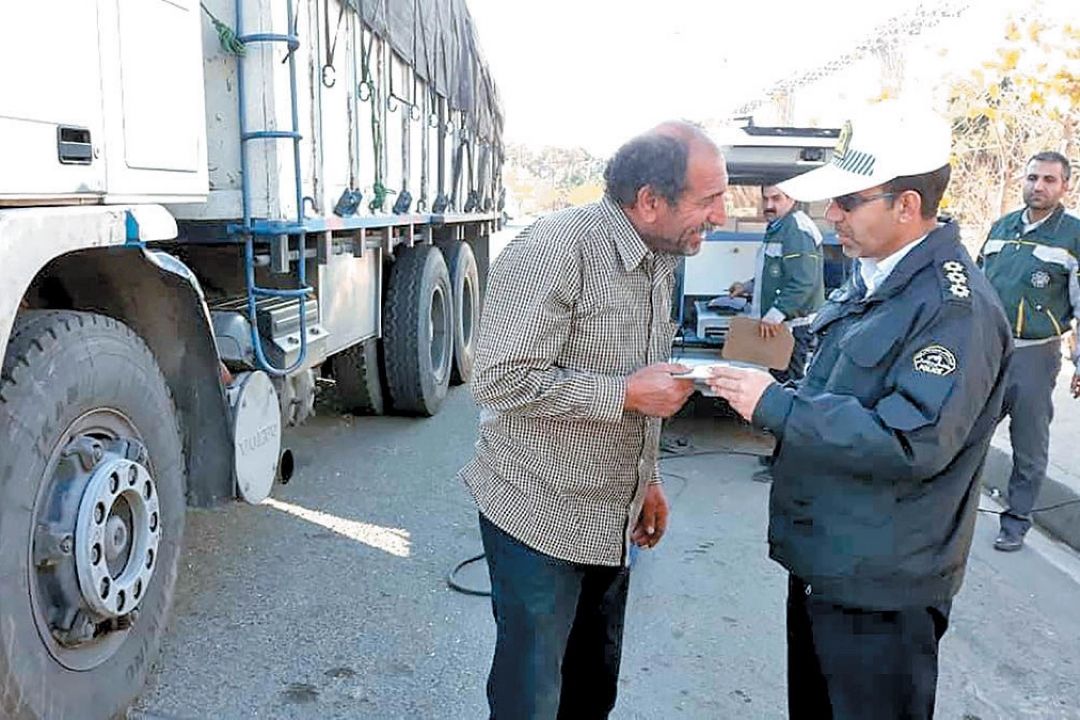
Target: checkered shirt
574	305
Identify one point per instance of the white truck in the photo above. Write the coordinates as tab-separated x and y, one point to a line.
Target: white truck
205	208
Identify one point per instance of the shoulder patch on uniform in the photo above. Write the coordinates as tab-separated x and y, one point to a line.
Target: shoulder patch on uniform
935	360
956	279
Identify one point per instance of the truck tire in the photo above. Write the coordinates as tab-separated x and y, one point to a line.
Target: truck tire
418	342
465	281
91	494
357	384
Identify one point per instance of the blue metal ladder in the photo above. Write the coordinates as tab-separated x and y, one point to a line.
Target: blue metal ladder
251	230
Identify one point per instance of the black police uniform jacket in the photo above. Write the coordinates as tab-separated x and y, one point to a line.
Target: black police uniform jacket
875	481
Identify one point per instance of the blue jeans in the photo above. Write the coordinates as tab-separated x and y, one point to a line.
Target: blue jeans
559	629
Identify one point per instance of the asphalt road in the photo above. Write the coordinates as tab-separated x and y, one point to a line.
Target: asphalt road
332	602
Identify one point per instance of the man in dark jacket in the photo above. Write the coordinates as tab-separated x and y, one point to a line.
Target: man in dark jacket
1030	257
876	478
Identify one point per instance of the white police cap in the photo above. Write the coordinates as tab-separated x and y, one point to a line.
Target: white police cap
887	140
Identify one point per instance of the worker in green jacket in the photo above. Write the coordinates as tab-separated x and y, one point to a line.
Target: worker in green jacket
788	286
1031	259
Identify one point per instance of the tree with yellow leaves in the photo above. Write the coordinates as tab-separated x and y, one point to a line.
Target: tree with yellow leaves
1023	100
550	178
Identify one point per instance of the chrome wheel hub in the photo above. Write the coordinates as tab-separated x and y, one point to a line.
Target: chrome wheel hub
116	537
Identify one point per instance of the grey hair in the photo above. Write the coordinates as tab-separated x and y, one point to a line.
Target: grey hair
654	160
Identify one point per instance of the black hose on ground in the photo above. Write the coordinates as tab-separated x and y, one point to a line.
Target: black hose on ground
464	589
451	577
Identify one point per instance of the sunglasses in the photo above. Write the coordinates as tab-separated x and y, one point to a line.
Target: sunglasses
849	202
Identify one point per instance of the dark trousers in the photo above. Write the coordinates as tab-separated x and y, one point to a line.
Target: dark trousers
848	663
559	629
1029	404
805	345
800	356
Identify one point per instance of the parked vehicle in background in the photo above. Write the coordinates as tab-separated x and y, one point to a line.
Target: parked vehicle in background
205	210
757	156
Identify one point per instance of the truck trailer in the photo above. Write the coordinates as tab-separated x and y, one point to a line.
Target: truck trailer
207	210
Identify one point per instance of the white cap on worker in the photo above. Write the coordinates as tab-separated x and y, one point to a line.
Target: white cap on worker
889	139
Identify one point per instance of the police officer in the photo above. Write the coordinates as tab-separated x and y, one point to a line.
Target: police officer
1030	257
789	286
876	485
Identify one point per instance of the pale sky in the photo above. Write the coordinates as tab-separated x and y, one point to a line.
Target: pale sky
595	72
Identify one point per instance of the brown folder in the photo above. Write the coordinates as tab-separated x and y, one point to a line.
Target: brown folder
745	344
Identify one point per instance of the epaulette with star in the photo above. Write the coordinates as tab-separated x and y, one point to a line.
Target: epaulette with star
954	283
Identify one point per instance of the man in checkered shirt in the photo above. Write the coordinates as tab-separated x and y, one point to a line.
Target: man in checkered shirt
572	381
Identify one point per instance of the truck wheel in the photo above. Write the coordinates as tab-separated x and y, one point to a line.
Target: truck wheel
357	384
91	515
465	281
418	341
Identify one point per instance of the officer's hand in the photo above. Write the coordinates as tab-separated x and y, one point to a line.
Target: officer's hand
741	387
737	289
1075	385
653	391
768	329
653	520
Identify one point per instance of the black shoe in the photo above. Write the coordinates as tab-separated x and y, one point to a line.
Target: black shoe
1008	542
762	476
